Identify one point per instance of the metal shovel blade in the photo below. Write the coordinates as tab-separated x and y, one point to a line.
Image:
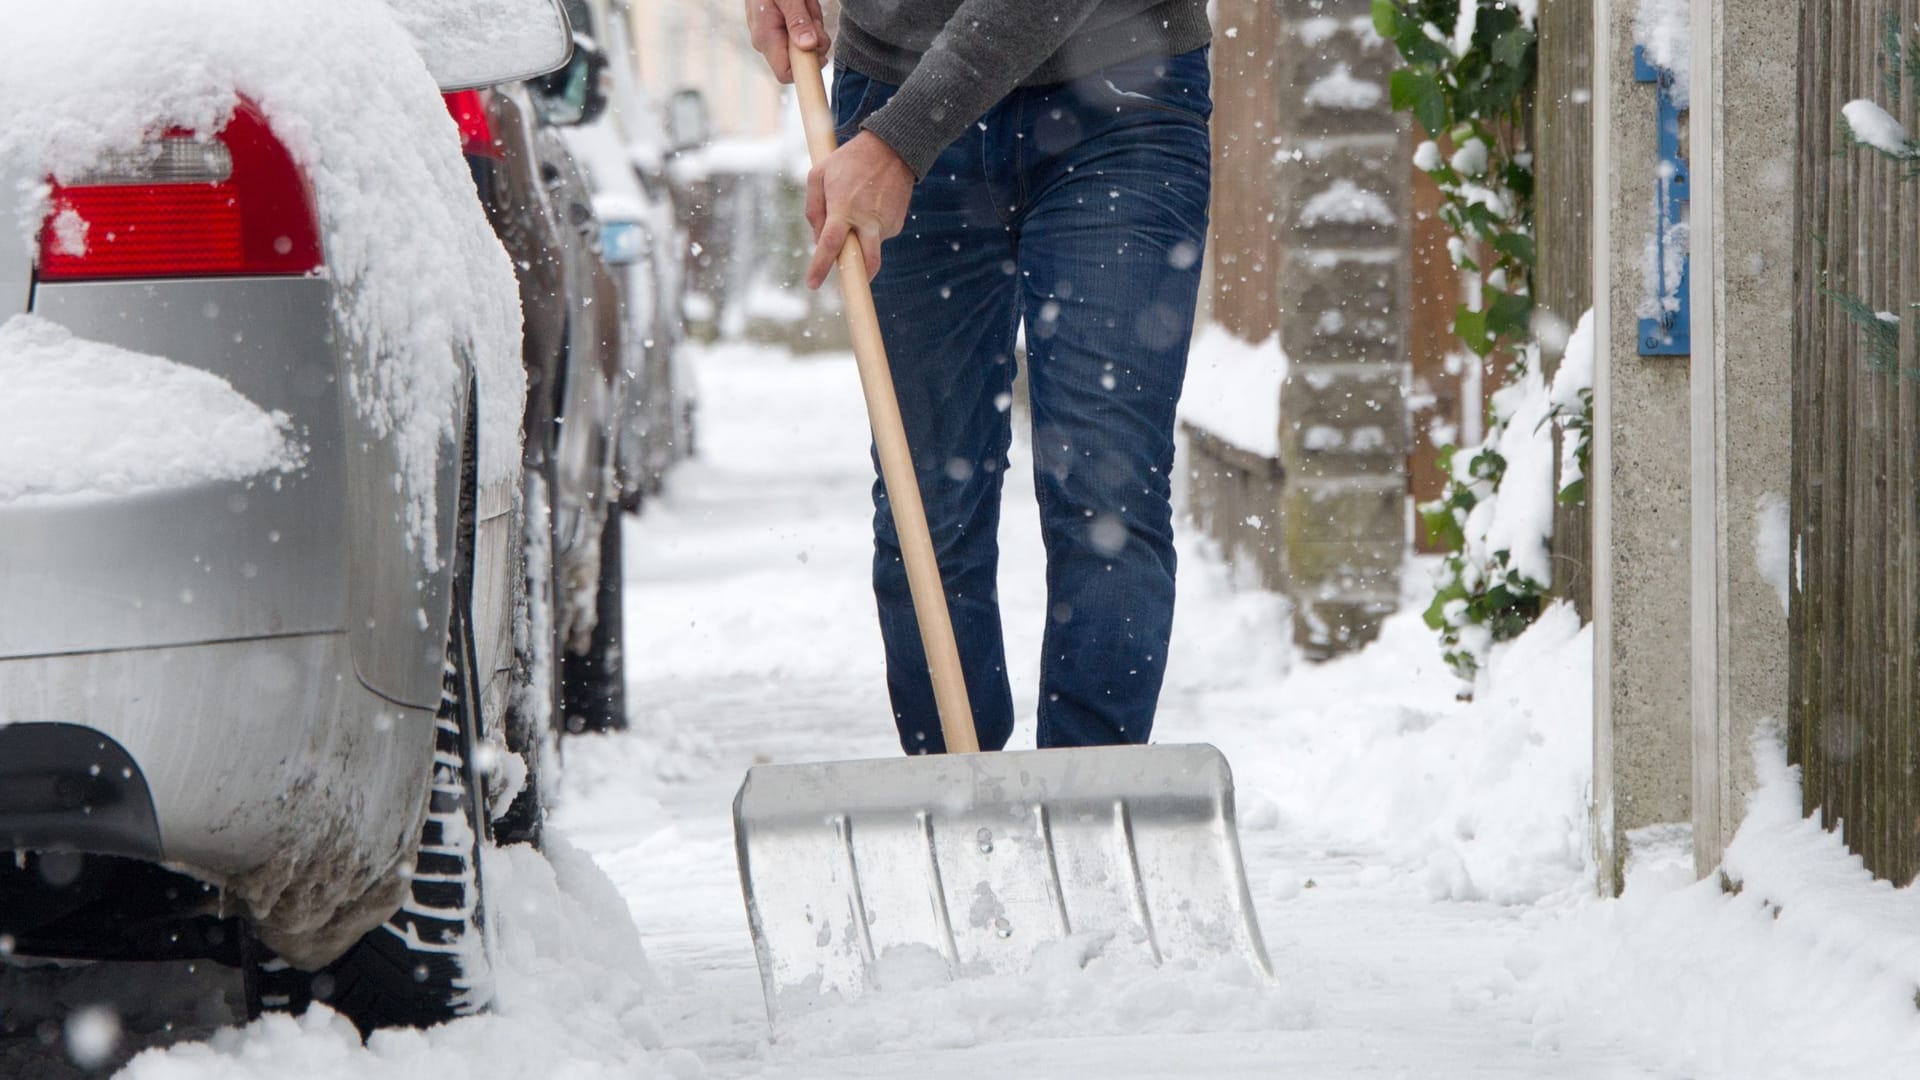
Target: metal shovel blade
860	875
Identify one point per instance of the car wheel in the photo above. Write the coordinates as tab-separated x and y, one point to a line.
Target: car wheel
430	962
593	685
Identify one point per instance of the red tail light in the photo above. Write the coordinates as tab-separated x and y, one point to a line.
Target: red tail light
233	204
469	110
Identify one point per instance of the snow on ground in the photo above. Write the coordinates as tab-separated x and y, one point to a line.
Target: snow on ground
572	986
1233	388
84	418
1809	969
1418	863
1366	791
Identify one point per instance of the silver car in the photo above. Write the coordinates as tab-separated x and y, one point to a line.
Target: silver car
238	719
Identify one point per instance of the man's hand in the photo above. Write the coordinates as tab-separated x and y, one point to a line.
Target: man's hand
864	187
772	22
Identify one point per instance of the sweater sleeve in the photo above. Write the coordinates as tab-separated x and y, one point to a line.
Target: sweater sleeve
982	53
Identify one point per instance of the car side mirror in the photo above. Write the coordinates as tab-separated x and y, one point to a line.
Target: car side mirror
687	121
485	42
575	94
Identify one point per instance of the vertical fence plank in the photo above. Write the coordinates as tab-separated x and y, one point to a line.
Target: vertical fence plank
1903	580
1804	490
1855	504
1832	431
1863	465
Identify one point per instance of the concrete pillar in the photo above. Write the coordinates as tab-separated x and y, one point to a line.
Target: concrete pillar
1640	483
1343	206
1745	78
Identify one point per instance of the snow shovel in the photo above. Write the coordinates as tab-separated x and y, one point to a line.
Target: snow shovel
908	872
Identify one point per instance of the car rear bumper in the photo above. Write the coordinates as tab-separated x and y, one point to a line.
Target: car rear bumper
270	770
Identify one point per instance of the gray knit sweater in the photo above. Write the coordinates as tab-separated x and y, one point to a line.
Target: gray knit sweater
954	59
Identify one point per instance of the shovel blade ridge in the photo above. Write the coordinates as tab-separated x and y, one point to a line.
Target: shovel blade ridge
904	873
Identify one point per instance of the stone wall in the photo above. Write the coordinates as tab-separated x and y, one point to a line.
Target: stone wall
1342	198
1311	240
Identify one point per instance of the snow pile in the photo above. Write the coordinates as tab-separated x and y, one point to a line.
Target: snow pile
1338	89
1873	126
1773	544
1072	990
420	276
85	418
1369	753
1662	264
1520	521
1347	203
1664	29
1232	389
571	984
1572	382
1808	969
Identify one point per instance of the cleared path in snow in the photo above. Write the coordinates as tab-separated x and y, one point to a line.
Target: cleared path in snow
752	638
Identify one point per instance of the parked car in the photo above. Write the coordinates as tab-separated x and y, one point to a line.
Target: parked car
624	151
242	718
574	351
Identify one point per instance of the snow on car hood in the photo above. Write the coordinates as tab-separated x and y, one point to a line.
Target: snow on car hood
420	276
85	418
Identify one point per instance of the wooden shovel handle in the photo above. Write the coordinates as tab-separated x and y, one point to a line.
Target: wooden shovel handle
890	438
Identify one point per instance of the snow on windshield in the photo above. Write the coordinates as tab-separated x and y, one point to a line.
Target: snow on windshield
85	418
420	277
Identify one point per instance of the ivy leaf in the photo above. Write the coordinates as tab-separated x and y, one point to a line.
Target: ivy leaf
1517	246
1511	48
1386	18
1471	328
1420	93
1509	314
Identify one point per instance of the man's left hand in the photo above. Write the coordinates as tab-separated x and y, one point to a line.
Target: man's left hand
863	188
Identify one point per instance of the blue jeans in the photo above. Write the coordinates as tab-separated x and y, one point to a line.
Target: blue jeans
1080	209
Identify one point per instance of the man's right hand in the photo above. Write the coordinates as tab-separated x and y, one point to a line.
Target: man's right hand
772	22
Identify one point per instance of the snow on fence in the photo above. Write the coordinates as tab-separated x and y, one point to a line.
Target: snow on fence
1855	508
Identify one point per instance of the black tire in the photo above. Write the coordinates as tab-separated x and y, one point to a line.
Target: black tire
593	691
430	961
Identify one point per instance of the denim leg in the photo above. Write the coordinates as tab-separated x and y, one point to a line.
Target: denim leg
1110	247
946	297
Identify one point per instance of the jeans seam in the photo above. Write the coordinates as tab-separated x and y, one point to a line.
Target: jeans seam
1020	151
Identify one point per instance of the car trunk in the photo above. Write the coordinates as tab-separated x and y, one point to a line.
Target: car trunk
16	253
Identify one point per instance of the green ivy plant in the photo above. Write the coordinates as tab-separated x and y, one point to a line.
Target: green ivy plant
1880	330
1468	81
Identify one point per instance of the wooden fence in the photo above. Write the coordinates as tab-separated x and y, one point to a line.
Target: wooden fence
1855	622
1563	199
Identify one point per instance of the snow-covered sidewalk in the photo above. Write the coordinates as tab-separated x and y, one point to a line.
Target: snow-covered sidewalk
1383	823
1419	864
